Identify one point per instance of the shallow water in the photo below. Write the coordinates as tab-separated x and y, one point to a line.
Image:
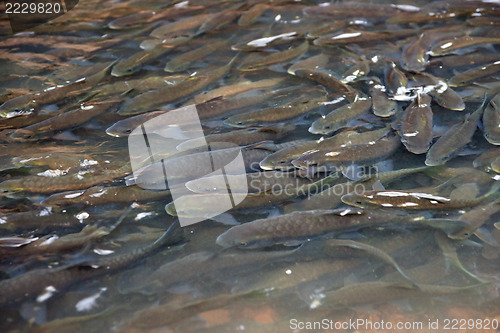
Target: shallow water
90	261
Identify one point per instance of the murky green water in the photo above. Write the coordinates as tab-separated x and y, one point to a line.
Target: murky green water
395	100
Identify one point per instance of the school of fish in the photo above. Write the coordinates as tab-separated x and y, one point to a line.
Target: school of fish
369	133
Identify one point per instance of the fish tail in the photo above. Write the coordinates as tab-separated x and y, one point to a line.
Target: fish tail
450	227
434	171
173	235
494	192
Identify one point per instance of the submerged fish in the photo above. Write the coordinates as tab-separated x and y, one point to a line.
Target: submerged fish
75	181
240	137
473	74
376	292
282	159
370	152
151	99
415	125
301	226
452	45
184	60
491	121
274	114
460	198
253	63
454	139
440	91
339	118
99	195
133	63
329	81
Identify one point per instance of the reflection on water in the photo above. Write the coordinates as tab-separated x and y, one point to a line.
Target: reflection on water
368	131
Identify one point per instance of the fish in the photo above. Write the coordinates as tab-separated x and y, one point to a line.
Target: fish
473	74
74	181
409	200
414	56
395	80
252	44
331	244
330	197
382	105
275	114
440	91
131	20
282	159
256	182
450	253
313	62
133	63
183	61
252	14
241	137
359	36
99	195
370	152
454	139
222	105
448	46
415	125
486	158
233	89
476	217
329	81
125	126
150	99
179	26
339	118
491	121
303	225
208	205
375	292
219	20
352	9
253	62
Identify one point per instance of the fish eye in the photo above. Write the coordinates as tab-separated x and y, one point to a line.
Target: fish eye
242	243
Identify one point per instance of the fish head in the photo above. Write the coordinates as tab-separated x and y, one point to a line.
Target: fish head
321	126
236	121
237	237
10	186
276	162
22	135
170	209
432	160
120	69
